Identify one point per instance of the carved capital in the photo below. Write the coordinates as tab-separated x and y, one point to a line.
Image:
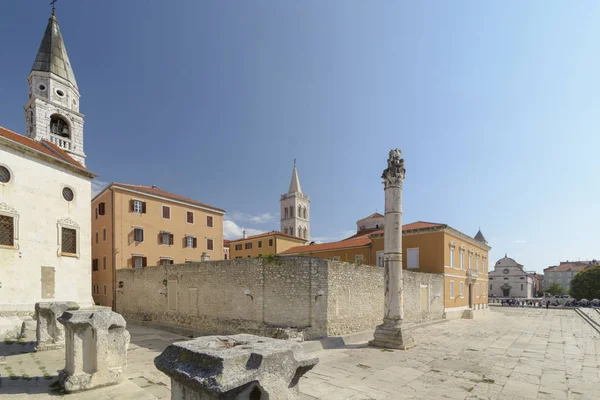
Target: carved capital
395	172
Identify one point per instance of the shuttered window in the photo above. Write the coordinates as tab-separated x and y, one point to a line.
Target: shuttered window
209	244
102	208
209	221
166	212
190	217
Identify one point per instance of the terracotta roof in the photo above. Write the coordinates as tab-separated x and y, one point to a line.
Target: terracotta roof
358	240
570	266
44	146
153	190
374	215
260	235
226	242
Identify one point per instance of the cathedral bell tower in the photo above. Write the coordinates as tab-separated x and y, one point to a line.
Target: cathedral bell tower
52	111
295	209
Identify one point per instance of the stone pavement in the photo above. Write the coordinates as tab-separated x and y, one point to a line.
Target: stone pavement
513	354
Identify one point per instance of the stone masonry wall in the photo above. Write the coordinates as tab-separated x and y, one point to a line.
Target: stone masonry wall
315	296
356	295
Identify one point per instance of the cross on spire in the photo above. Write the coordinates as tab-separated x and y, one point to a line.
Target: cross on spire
52	3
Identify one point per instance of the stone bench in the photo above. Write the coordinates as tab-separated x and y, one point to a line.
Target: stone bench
238	367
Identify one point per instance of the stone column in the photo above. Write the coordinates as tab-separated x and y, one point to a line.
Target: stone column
49	334
95	349
391	333
237	367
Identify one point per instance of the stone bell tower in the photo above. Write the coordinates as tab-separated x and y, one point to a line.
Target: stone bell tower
295	209
52	111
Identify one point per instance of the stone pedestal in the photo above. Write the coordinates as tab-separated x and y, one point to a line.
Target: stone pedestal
393	335
95	349
238	367
49	333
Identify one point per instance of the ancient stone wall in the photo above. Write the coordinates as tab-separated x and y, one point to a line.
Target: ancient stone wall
316	296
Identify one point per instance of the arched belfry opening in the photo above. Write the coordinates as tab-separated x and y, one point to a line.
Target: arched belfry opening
59	126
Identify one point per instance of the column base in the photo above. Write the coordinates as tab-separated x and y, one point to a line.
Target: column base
393	335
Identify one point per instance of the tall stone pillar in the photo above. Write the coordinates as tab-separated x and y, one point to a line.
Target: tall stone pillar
391	333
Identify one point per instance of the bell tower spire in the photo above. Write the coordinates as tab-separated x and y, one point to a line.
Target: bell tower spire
52	111
295	209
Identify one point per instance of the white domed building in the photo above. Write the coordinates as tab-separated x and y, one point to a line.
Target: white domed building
509	279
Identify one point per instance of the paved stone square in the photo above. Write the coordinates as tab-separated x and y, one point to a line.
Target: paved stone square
515	353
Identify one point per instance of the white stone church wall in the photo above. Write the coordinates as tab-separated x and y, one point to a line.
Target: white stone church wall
34	193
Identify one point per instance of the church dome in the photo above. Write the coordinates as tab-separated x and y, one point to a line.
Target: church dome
507	262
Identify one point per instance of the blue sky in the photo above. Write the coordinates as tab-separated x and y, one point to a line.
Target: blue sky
495	106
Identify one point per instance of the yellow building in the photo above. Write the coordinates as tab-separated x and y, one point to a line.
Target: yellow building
136	226
265	243
426	247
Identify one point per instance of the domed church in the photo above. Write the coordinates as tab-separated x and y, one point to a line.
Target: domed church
509	279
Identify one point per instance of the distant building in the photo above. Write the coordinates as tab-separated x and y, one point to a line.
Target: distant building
225	249
564	272
45	190
269	243
295	209
135	226
426	247
509	279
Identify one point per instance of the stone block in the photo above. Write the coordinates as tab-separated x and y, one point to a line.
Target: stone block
49	334
238	367
95	349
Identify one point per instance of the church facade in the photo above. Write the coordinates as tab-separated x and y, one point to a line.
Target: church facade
509	279
45	242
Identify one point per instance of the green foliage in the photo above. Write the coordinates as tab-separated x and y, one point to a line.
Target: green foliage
271	259
555	289
586	284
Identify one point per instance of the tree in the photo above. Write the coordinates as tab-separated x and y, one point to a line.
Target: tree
555	289
586	284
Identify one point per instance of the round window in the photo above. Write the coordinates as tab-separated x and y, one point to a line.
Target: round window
506	271
4	174
60	93
68	194
42	87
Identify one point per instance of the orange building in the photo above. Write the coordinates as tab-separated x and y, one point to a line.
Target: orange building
426	247
136	226
265	243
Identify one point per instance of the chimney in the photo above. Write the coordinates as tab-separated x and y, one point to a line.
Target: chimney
153	186
245	234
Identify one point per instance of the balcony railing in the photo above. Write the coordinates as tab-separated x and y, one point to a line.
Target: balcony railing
61	142
473	273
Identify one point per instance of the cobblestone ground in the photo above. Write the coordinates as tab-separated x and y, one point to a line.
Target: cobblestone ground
514	354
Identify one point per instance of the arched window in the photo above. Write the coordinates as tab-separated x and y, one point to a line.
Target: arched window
305	213
299	211
291	212
286	213
58	126
299	232
285	229
304	233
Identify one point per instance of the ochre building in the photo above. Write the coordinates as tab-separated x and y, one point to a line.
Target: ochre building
269	243
135	226
426	247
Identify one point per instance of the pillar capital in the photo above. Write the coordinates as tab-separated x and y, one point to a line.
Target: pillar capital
394	174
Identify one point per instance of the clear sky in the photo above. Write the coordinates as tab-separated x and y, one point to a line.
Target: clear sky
495	106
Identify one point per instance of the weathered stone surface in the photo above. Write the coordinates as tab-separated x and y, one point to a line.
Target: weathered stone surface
234	367
49	334
96	349
393	335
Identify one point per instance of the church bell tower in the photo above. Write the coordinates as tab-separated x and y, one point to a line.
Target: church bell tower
52	111
295	209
